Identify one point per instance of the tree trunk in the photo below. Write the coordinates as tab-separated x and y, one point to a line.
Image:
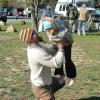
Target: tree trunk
34	21
34	6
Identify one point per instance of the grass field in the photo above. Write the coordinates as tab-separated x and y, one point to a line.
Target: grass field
15	73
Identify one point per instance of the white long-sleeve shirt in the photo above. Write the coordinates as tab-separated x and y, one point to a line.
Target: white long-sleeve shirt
41	62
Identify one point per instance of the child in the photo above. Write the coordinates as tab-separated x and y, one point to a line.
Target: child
56	34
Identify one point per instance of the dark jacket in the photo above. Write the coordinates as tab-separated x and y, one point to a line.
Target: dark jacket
72	13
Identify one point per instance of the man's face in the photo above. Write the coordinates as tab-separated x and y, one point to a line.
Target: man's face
36	38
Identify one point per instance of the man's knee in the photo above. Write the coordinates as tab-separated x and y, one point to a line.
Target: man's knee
43	93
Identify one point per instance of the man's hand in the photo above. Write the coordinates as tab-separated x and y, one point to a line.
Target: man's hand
60	44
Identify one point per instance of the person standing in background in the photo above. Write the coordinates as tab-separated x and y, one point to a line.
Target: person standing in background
97	15
72	16
46	12
17	14
83	17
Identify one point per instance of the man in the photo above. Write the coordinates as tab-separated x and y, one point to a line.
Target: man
72	16
41	62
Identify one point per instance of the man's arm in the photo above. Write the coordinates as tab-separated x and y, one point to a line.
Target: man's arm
48	60
51	49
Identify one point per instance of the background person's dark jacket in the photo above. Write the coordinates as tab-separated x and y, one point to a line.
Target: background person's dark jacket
72	13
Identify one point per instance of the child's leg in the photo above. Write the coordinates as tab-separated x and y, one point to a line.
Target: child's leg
70	69
60	71
69	66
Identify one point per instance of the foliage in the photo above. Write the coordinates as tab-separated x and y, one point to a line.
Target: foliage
52	3
3	3
95	2
35	4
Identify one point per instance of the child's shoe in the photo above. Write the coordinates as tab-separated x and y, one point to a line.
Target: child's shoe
71	82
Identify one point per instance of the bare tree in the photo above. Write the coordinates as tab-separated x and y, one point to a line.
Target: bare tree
34	14
34	6
12	3
3	3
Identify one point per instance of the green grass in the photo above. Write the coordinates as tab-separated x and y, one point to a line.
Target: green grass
15	73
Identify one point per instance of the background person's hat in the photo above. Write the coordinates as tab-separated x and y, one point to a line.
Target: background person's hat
26	34
47	25
84	5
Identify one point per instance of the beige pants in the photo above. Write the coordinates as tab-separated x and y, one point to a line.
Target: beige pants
72	25
43	93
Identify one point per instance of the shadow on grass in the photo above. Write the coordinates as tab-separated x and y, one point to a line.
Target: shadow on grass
91	98
98	34
2	30
93	32
55	84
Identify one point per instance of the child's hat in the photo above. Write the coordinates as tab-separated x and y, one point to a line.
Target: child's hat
47	25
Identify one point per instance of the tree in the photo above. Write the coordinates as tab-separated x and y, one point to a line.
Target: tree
95	2
12	3
3	3
53	3
35	4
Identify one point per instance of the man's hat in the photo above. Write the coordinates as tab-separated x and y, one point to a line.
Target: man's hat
26	34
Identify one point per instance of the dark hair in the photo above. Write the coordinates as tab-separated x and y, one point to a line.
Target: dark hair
70	5
33	33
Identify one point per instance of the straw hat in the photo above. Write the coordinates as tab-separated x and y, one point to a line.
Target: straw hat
25	35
